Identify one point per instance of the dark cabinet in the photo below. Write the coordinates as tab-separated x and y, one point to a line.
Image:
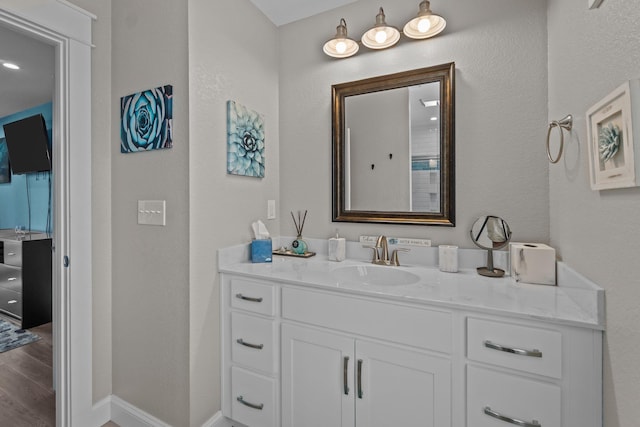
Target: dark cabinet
25	278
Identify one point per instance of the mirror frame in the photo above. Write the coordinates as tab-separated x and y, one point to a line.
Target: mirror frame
445	74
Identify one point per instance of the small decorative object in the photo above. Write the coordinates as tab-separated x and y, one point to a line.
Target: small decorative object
245	141
147	120
448	258
609	141
614	152
299	246
5	171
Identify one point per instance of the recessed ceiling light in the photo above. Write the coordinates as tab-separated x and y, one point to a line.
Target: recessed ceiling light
11	66
433	119
429	103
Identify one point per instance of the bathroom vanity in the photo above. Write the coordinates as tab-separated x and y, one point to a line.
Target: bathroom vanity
25	277
318	343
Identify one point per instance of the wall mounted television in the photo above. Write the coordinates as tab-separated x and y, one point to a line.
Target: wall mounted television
28	145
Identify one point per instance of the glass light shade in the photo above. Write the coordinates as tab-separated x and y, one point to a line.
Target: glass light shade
425	24
381	35
341	46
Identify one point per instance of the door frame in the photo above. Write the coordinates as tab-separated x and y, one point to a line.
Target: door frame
68	28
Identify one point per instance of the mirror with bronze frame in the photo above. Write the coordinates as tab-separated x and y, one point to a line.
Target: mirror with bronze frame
393	148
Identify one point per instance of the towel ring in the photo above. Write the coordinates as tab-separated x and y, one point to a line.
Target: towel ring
565	123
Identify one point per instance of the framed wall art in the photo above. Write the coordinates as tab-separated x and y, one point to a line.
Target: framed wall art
147	120
614	150
5	170
245	141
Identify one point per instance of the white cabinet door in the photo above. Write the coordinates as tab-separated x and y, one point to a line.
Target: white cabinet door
398	387
317	378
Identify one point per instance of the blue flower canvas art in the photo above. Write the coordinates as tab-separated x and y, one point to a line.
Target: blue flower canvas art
5	171
147	120
245	141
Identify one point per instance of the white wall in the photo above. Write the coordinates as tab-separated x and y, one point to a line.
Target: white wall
598	233
150	273
227	61
499	47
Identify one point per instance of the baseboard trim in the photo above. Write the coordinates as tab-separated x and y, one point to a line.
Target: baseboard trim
126	415
101	411
121	412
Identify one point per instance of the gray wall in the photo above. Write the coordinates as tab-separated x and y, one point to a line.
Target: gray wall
598	232
226	62
150	313
499	47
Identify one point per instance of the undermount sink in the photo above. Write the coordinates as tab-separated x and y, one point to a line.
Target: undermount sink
374	275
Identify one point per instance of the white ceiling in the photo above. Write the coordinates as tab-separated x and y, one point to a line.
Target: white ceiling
282	12
32	85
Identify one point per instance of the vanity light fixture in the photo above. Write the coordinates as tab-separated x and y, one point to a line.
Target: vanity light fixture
381	35
426	24
341	46
10	65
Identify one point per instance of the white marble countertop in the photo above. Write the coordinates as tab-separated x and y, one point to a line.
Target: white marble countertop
575	301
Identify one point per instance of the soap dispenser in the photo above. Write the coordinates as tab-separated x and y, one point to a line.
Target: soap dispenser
337	248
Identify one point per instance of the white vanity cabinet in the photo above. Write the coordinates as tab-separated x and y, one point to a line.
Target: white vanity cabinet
332	377
250	349
301	352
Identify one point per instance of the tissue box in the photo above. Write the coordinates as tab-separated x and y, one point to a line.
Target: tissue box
261	250
533	263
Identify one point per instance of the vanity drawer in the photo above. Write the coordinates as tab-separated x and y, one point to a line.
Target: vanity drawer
253	296
497	399
414	326
12	253
252	342
253	398
534	350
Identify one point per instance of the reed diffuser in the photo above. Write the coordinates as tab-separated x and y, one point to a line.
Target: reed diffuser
299	246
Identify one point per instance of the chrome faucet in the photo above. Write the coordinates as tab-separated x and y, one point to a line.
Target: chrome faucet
383	258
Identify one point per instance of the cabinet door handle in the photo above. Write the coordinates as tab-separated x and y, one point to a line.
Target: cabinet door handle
518	351
499	416
360	394
247	344
248	298
345	374
249	404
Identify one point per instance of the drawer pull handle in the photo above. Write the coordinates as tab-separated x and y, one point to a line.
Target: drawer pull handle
515	421
248	298
345	374
518	351
247	344
249	404
360	394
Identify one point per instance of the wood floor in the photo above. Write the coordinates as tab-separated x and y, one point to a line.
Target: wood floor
26	383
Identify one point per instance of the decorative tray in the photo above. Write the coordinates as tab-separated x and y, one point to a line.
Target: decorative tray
287	252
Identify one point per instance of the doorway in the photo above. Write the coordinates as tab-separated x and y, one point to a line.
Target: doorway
68	29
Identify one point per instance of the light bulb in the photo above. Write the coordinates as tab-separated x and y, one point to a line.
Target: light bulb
424	25
381	36
341	47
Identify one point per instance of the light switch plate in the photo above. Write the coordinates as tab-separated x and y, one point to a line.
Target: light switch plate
152	212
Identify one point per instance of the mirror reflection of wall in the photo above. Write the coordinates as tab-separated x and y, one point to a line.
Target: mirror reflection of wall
377	181
393	149
424	107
